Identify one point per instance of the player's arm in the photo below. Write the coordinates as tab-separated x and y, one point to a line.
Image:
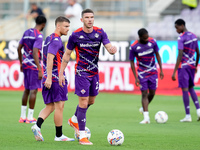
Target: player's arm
111	49
19	50
197	58
65	60
179	58
48	81
137	81
160	65
36	59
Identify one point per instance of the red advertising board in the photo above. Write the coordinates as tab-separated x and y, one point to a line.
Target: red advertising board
114	77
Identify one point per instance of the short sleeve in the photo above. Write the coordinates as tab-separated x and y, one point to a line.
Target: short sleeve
156	49
21	41
71	43
105	39
38	42
131	53
54	46
180	43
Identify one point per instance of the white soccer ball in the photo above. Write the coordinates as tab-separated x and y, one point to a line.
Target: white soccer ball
115	137
161	117
87	132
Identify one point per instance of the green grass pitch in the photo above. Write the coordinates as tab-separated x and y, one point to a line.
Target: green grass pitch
110	111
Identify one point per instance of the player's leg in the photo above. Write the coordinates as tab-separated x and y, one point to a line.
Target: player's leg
32	99
145	103
24	106
81	117
25	96
183	80
150	98
35	83
193	93
44	113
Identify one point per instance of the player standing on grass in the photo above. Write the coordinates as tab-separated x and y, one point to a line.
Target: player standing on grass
54	96
86	41
144	50
187	67
31	67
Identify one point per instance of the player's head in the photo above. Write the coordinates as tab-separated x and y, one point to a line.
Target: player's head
71	2
180	25
34	6
41	21
143	35
62	25
87	18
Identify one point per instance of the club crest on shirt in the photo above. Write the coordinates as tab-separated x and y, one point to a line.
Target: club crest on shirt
149	44
96	35
81	37
82	91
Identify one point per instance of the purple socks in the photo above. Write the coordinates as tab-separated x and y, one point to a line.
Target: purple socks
186	102
194	98
81	117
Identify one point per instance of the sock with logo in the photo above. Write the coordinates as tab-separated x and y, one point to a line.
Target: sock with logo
81	117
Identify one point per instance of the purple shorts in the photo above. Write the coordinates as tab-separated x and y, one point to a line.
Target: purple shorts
149	83
55	94
86	86
186	77
31	81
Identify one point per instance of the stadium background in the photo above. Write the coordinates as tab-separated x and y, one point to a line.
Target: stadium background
120	19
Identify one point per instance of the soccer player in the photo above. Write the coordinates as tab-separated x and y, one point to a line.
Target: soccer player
86	41
187	67
145	50
54	96
31	67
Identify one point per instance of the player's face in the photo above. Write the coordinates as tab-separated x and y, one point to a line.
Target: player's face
43	25
64	28
179	28
88	20
144	39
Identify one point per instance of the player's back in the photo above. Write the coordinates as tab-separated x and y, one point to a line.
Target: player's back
31	38
188	43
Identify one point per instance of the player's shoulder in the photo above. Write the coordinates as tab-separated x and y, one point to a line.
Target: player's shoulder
98	29
134	43
77	31
152	40
55	38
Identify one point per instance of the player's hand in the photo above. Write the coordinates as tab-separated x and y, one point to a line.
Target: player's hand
161	75
174	77
113	50
61	80
48	83
40	74
21	69
195	69
137	82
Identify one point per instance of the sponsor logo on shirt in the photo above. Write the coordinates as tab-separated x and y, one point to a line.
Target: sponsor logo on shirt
89	45
29	37
56	39
138	48
149	51
40	36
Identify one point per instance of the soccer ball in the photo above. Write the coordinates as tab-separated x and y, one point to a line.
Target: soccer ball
115	137
87	132
161	117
